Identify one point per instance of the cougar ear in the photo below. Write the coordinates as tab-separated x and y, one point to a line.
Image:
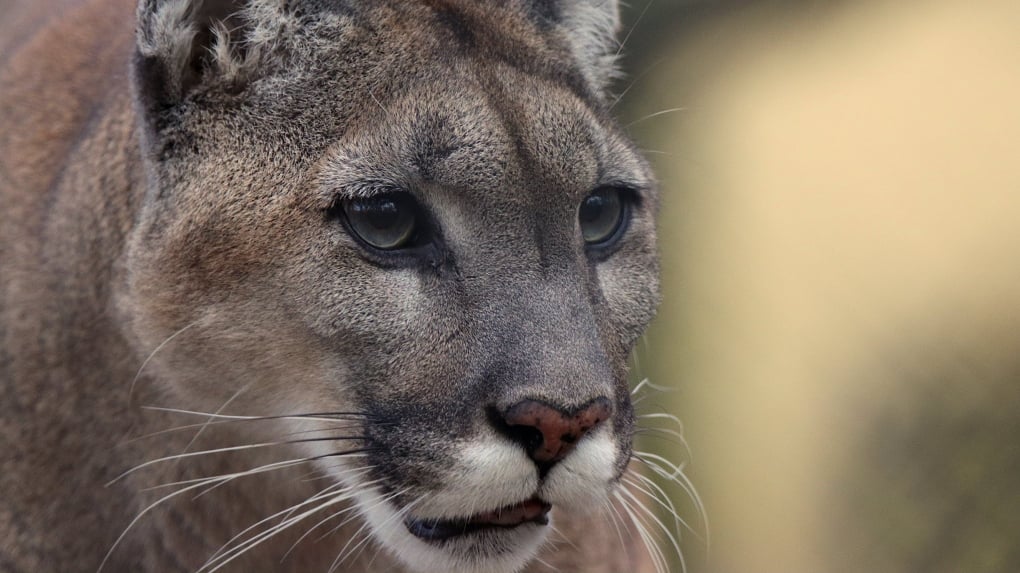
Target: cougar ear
183	43
592	26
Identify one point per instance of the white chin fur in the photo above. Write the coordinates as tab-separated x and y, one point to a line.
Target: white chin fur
492	474
508	551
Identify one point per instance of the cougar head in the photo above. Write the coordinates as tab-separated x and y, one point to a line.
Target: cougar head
418	214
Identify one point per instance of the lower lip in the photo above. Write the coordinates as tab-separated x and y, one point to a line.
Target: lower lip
531	512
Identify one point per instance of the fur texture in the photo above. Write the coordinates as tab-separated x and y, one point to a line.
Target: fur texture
173	234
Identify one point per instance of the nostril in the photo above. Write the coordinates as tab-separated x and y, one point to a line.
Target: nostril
546	432
527	436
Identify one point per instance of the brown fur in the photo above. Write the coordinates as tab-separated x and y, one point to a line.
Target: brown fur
149	205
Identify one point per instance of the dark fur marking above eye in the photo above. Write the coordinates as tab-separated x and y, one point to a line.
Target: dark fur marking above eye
546	13
433	143
454	21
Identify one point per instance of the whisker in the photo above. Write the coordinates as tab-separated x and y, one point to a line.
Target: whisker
322	522
354	472
654	115
346	454
653	461
172	430
669	435
637	387
211	418
658	152
219	477
236	552
569	541
319	473
398	517
631	85
658	559
655	492
402	513
344	553
328	429
354	424
609	510
656	387
545	564
312	417
662	416
217	481
285	512
229	553
662	526
168	497
226	450
219	410
131	388
634	27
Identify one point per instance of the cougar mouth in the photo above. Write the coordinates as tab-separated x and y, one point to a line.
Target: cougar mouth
531	511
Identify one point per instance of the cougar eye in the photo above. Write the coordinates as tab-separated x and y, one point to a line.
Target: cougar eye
386	221
601	215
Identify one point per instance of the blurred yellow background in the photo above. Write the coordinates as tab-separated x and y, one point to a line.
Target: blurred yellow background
841	265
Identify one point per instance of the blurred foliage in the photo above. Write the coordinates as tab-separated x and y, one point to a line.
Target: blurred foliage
842	300
930	486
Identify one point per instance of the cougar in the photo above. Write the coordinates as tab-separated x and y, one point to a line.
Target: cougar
321	285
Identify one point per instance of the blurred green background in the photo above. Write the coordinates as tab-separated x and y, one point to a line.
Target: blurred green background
841	265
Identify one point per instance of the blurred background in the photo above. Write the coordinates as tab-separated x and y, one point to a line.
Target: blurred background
841	261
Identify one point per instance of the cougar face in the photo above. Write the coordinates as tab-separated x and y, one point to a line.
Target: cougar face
487	357
428	248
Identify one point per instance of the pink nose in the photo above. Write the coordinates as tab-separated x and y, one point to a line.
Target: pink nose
549	434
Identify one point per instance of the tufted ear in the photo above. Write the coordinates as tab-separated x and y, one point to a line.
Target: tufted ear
592	26
183	44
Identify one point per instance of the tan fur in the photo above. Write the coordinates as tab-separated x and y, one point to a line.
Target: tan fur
181	258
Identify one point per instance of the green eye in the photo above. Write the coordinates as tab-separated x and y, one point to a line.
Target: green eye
386	222
601	215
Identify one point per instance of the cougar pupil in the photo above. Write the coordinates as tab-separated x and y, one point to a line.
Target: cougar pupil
384	222
601	215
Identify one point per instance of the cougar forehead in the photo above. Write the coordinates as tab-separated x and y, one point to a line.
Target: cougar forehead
502	173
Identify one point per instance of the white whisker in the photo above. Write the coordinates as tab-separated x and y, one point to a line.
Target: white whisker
286	513
634	27
191	455
143	513
400	515
215	422
211	418
344	553
320	523
655	463
131	388
653	115
611	511
634	82
655	492
662	526
637	387
228	556
315	418
658	559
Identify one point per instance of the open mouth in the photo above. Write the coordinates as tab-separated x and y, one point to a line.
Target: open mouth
533	511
